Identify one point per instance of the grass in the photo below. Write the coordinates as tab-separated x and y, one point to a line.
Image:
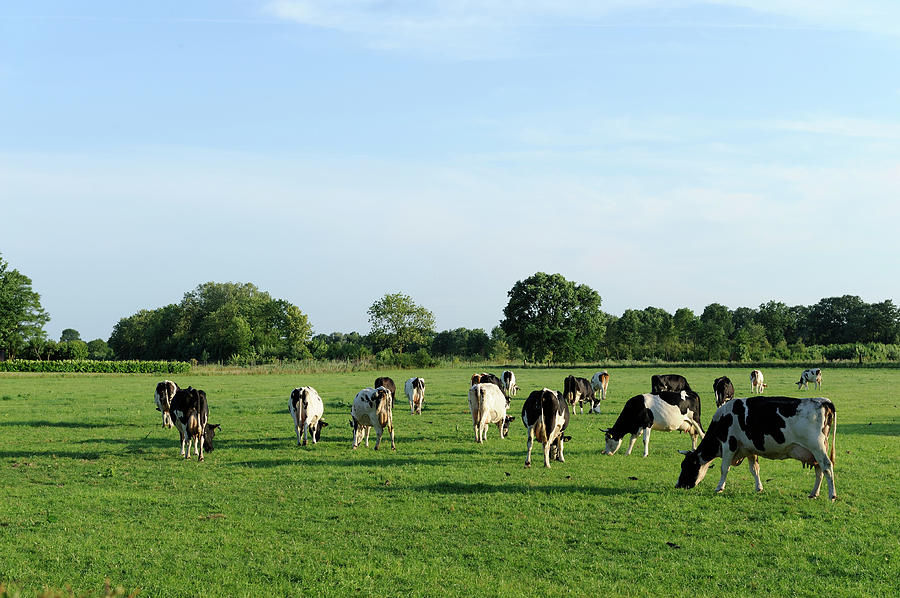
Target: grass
92	492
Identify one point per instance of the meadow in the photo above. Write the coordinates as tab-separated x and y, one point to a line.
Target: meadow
92	489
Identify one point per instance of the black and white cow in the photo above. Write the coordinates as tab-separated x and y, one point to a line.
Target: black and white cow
488	404
306	408
372	408
577	391
165	390
190	412
723	390
415	392
670	382
388	383
757	382
771	427
509	383
667	411
600	382
546	416
807	376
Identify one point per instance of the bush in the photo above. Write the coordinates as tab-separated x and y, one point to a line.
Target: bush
96	367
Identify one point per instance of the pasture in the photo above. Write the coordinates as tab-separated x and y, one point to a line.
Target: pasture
93	488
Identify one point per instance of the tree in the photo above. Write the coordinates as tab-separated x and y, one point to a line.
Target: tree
549	316
22	318
399	324
69	334
716	328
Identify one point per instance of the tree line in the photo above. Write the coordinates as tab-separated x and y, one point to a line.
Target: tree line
547	319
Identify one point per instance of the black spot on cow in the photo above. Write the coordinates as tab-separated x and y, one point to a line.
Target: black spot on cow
732	444
766	417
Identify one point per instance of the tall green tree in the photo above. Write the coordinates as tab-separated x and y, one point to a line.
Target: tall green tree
398	323
22	319
69	334
549	316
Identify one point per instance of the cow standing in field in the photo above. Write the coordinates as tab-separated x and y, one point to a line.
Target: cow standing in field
669	382
165	390
372	408
807	376
509	383
546	416
757	382
771	427
723	389
667	411
599	382
485	378
306	408
577	391
388	383
487	404
190	412
415	392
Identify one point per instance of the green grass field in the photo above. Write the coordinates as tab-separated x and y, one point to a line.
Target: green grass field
92	488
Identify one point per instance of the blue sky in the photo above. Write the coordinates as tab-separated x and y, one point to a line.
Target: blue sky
665	153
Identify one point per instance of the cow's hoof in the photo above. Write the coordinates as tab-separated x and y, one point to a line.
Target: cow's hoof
200	459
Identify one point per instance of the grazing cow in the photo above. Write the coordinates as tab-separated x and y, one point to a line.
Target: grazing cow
415	392
546	416
599	382
209	432
509	383
757	382
372	408
723	389
190	413
670	382
484	378
388	383
165	390
771	427
306	410
488	406
666	411
578	391
814	375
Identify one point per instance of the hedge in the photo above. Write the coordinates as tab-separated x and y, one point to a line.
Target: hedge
96	367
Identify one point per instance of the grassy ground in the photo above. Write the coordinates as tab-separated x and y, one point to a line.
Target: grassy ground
92	488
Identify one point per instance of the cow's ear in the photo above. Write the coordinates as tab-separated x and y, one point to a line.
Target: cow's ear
683	452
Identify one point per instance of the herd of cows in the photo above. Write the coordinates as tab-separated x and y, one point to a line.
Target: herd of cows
741	428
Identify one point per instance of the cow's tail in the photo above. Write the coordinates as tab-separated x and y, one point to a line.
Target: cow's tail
547	421
831	418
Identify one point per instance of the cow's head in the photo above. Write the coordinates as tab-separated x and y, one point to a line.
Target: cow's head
800	384
612	443
319	427
506	422
595	407
693	469
476	378
209	432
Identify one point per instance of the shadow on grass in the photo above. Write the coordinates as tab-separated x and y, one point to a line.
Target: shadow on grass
874	428
463	488
399	460
49	424
79	455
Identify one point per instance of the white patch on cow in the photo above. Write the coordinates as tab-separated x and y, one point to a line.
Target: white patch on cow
416	394
487	404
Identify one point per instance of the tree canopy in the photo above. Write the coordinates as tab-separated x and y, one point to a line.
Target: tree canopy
551	317
22	318
399	324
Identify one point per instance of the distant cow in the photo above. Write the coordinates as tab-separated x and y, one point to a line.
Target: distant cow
190	412
577	391
599	382
723	390
509	383
306	410
771	427
670	382
807	376
546	416
757	382
415	392
372	408
388	383
667	411
165	390
488	406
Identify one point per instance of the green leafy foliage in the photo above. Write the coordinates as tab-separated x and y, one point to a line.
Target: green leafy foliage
91	366
21	316
399	324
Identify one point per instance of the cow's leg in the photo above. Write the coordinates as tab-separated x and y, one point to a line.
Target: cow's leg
726	465
305	432
315	429
547	454
646	441
753	463
200	443
634	438
297	428
378	432
823	465
477	427
562	441
528	444
391	430
183	438
366	431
